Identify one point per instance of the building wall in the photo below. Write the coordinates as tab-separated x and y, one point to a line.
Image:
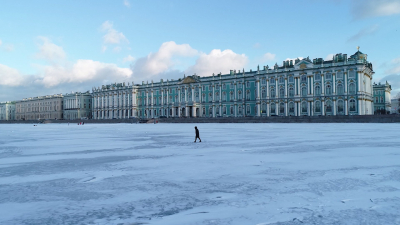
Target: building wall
382	98
7	111
115	101
77	106
304	88
43	107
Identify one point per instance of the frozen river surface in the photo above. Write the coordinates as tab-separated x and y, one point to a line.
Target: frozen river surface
255	174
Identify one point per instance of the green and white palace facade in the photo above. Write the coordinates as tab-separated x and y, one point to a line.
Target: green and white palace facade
300	87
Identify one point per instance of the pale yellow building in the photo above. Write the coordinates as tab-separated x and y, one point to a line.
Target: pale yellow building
42	107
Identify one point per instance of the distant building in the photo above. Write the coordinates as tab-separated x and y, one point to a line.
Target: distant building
42	107
300	87
395	103
7	111
382	100
77	106
114	101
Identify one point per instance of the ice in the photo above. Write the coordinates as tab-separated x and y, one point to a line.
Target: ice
239	174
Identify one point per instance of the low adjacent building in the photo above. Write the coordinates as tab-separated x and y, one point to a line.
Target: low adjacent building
395	106
382	101
7	111
41	107
77	106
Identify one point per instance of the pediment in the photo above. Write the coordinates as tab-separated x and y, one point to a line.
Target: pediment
188	80
303	64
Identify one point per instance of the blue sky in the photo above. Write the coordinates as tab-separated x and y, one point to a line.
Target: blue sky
63	46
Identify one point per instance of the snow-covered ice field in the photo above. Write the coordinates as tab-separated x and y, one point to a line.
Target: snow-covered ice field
255	174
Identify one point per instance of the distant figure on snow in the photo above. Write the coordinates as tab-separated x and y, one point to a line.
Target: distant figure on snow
197	134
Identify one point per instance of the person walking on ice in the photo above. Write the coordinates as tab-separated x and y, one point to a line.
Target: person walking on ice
197	134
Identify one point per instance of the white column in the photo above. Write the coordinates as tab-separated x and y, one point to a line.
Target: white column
334	107
312	85
193	98
285	87
286	104
334	83
323	84
276	89
345	81
345	108
267	88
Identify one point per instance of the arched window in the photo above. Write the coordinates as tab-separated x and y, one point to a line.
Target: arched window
317	90
263	82
248	110
291	107
352	88
224	96
263	93
304	91
248	95
217	96
328	106
224	110
281	92
291	79
282	108
217	111
240	110
291	92
231	110
281	80
317	106
210	97
328	90
382	101
239	95
203	97
317	77
210	111
231	96
264	107
340	89
272	92
340	107
352	105
304	107
272	109
304	79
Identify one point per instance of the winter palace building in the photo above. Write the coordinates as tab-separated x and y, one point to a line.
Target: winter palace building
300	87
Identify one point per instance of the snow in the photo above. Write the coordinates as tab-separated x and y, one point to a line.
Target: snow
239	174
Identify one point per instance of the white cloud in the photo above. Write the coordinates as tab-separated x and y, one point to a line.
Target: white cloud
129	58
112	36
268	57
8	47
162	60
83	71
395	67
329	56
127	3
10	76
294	59
218	61
1	42
49	51
364	32
374	8
257	45
103	48
117	49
